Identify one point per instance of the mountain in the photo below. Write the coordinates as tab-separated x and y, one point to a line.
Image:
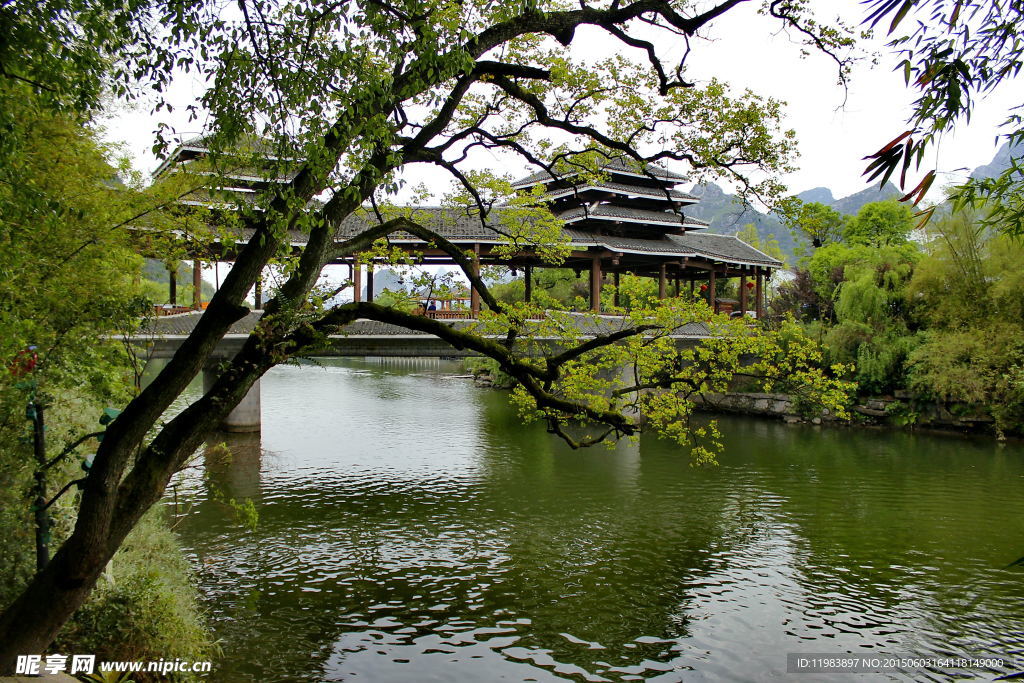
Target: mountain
728	216
384	279
850	205
821	195
1000	162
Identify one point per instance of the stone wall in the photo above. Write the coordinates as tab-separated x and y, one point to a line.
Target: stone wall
901	411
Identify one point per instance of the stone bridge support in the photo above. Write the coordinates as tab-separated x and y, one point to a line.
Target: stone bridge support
247	415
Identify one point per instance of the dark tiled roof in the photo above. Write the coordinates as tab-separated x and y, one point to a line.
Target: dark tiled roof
612	166
626	189
184	323
250	145
652	169
200	145
630	245
615	212
724	247
716	247
219	198
461	227
256	175
455	224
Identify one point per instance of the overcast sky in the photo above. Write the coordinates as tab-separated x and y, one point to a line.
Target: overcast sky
833	136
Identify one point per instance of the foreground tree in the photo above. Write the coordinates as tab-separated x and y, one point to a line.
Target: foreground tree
360	89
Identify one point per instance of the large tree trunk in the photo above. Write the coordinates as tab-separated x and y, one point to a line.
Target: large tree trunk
113	501
31	623
107	516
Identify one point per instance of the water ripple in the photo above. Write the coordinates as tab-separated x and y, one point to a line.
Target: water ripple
411	528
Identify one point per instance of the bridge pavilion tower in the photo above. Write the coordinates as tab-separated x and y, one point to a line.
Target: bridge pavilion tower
634	219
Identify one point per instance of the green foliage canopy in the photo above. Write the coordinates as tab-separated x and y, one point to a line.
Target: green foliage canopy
768	245
880	224
820	224
66	271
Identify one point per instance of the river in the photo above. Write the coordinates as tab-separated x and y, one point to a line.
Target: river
412	528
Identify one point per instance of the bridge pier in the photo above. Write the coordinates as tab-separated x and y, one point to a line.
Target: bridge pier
246	416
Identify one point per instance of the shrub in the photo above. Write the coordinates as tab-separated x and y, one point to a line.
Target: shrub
144	606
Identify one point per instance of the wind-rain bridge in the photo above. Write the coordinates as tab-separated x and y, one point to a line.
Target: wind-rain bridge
631	219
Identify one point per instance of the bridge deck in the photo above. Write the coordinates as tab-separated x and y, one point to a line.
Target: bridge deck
367	337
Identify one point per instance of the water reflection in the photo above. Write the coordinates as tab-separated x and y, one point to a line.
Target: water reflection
412	528
232	461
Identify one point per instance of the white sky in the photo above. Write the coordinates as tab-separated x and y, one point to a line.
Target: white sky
833	136
835	130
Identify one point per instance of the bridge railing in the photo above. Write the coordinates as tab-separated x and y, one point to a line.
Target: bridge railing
171	310
463	315
449	315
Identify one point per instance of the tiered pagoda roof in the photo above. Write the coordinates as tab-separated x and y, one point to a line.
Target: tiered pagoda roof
240	176
624	200
635	216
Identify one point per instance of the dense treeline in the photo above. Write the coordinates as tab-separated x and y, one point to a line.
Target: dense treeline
934	311
68	279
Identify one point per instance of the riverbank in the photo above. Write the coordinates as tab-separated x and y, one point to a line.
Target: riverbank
145	606
901	412
898	412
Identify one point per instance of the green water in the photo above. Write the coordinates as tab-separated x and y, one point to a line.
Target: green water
411	528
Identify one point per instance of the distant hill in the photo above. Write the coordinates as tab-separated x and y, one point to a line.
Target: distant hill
1000	162
156	271
850	205
383	279
728	216
821	195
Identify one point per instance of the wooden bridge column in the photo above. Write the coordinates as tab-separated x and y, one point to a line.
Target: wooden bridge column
743	295
759	294
528	270
595	284
172	286
662	282
474	296
712	293
197	285
357	279
616	278
369	283
678	289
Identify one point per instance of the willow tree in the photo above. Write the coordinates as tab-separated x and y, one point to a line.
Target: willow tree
359	90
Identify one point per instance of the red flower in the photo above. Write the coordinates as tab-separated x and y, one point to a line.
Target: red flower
750	285
24	362
703	288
